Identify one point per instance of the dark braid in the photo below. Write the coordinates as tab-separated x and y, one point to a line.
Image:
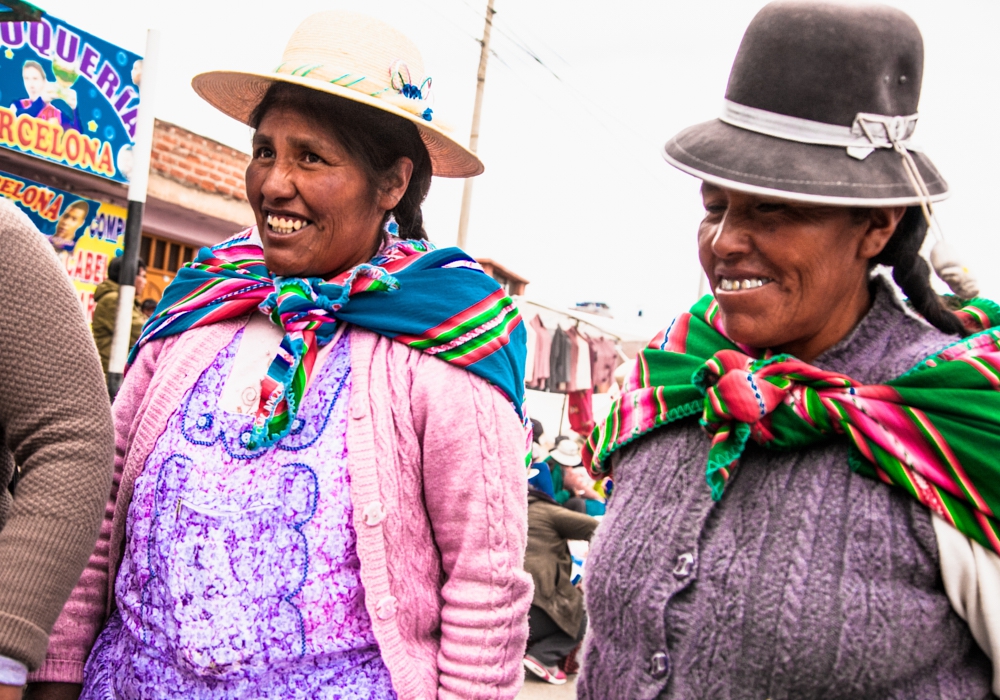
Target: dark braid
912	273
375	138
408	212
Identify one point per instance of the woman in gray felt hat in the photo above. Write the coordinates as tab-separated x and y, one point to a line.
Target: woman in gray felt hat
792	573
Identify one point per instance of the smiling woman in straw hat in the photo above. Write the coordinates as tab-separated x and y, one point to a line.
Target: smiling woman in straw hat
326	499
806	481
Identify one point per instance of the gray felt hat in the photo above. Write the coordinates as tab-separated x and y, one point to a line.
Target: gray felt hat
821	107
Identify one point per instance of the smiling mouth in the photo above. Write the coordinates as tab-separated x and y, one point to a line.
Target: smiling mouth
727	284
286	224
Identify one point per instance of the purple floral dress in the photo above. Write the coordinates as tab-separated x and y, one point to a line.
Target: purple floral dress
240	576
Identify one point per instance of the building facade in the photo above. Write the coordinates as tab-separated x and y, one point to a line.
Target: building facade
195	198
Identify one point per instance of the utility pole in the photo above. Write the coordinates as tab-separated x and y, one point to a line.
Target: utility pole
484	57
136	202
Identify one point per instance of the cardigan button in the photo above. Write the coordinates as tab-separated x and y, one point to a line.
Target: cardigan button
385	609
373	514
659	665
684	563
357	410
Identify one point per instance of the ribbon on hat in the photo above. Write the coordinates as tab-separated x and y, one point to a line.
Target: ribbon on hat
860	139
402	91
408	95
868	133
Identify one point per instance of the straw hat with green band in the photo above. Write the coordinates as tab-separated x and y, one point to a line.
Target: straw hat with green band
358	58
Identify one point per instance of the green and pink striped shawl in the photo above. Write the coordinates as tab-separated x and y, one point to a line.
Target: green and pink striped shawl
439	302
934	431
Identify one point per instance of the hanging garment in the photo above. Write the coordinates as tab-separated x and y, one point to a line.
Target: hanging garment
604	360
543	349
581	411
531	341
574	359
580	366
559	360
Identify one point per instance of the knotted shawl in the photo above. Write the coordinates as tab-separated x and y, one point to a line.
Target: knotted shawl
437	301
934	431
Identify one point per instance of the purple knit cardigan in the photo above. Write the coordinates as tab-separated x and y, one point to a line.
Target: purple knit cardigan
806	581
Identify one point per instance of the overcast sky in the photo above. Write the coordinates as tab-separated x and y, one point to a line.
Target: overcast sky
575	196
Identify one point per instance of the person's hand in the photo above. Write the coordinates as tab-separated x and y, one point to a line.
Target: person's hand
10	692
52	691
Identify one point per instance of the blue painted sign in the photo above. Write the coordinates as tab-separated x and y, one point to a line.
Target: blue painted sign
68	97
62	216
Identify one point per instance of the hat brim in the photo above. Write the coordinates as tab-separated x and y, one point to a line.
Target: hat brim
746	161
566	460
237	94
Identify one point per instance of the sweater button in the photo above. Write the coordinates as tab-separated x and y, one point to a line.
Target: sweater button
659	664
684	563
386	608
373	514
357	410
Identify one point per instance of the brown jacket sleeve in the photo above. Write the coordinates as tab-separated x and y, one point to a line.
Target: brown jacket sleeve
571	525
55	420
102	325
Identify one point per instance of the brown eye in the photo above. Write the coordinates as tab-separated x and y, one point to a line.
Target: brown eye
263	152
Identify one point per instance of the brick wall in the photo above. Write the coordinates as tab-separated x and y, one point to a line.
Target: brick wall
196	161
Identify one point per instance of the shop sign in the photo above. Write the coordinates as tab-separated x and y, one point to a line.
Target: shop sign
86	235
68	97
101	242
62	216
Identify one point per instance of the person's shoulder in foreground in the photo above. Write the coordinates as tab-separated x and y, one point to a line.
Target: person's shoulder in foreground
56	422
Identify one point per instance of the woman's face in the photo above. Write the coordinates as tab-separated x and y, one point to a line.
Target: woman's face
315	210
788	276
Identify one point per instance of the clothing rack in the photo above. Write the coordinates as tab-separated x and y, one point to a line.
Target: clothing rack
575	316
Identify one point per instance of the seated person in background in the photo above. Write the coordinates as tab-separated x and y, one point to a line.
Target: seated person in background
579	483
561	460
556	619
539	475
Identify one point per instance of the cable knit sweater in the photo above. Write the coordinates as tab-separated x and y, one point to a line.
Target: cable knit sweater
440	501
55	420
805	582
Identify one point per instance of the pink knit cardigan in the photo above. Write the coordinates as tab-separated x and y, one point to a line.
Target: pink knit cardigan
440	508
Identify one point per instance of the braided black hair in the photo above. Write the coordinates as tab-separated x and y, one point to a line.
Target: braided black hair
375	138
912	273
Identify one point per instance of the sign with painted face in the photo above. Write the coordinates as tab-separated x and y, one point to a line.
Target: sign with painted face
61	216
87	261
87	235
68	97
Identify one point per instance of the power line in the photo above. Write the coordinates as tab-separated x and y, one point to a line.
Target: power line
582	101
523	46
517	41
449	20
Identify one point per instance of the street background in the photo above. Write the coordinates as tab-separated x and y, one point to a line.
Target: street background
580	97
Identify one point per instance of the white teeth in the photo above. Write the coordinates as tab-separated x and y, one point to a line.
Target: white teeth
282	225
731	285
